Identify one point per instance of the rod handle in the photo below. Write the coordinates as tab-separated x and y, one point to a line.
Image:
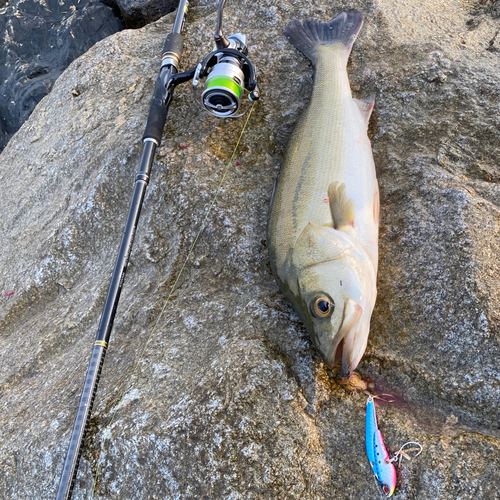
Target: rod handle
164	89
172	50
158	109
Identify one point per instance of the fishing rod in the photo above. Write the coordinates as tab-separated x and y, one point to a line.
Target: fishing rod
222	77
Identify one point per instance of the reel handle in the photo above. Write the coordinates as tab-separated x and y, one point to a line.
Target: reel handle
255	94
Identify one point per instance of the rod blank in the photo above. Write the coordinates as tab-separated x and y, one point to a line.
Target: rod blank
156	122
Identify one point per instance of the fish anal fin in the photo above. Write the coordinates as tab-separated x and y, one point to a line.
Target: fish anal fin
366	107
341	206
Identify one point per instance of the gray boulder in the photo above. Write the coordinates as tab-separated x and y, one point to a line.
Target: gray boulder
218	394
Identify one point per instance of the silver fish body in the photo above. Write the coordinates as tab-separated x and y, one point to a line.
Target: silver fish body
323	227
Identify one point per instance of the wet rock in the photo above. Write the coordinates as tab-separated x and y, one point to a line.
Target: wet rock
136	13
39	40
228	398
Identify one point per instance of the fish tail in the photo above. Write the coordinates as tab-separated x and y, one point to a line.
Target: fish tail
309	34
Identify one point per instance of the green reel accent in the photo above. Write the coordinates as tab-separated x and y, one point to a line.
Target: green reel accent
225	82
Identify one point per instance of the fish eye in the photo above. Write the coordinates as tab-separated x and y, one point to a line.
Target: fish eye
322	306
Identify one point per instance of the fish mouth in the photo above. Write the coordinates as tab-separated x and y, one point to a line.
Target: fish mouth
353	347
337	358
344	359
347	351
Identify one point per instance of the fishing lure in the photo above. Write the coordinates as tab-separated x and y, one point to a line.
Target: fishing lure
382	465
378	456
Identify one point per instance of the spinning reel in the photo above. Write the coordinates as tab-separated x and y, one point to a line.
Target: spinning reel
226	73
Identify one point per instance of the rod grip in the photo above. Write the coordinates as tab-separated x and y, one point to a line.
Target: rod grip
158	109
171	56
172	49
70	469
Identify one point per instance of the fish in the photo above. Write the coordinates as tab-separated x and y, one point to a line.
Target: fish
324	216
382	466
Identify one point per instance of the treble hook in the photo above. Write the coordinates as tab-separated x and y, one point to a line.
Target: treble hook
400	454
379	396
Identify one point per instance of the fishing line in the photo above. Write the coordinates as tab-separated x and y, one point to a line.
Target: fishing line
202	227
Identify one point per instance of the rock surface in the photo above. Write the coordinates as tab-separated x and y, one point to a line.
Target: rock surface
138	13
40	39
228	399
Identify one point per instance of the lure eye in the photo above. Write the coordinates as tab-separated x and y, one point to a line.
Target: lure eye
322	306
386	489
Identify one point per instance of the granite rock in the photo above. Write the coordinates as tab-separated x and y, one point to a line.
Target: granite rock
228	398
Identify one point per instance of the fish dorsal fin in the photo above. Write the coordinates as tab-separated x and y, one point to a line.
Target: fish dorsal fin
366	107
341	206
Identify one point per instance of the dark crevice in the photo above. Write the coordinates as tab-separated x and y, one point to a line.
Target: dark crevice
139	14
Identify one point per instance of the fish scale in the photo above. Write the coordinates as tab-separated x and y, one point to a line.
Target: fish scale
328	142
320	139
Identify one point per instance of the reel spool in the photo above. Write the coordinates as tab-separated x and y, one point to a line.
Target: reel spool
227	73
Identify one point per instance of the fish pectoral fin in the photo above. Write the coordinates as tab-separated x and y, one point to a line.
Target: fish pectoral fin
341	206
366	107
